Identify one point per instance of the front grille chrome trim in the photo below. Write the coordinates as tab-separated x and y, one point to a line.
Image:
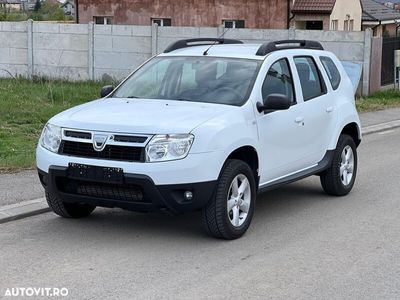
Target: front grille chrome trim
122	141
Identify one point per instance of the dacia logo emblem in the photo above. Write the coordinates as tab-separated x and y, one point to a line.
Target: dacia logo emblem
99	142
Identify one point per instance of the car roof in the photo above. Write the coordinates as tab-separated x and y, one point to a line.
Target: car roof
229	50
245	51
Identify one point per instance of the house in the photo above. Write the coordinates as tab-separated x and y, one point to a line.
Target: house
327	15
69	8
210	13
28	4
10	4
383	20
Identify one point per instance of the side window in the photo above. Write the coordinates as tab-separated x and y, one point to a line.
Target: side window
311	81
332	71
279	80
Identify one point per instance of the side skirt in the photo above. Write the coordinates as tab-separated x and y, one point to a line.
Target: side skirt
320	167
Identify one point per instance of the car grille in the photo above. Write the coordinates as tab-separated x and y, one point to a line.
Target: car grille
78	134
126	192
110	152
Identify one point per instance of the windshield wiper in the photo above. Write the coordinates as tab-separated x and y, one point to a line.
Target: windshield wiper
133	97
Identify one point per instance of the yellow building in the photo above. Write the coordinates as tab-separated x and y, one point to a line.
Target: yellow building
327	15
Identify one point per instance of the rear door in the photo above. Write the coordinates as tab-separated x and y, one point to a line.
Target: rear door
318	108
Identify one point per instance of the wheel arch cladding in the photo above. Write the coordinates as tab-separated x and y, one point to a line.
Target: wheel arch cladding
249	155
352	130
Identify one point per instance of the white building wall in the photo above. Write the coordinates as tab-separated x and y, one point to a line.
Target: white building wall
347	10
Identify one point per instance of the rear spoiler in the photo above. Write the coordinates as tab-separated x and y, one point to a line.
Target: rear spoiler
354	71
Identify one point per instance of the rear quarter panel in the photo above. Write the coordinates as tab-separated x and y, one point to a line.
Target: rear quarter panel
345	104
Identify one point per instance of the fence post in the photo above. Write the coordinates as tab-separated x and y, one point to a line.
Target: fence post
220	30
292	33
91	51
375	76
154	39
29	32
367	61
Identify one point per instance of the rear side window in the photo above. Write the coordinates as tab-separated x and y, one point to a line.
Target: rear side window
332	71
279	80
311	80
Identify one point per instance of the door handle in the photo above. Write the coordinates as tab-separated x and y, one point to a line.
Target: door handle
329	109
299	120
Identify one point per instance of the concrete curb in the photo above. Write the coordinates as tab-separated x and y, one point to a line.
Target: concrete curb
23	210
381	127
34	207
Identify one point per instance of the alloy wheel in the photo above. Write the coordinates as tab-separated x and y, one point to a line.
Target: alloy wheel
239	199
347	165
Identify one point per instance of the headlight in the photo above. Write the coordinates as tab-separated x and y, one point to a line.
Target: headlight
168	147
51	137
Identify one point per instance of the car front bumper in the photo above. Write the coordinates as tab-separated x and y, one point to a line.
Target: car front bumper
198	167
135	192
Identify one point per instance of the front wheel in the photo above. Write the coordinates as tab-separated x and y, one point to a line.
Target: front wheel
68	210
339	179
228	214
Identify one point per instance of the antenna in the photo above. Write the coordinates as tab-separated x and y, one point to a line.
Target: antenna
216	42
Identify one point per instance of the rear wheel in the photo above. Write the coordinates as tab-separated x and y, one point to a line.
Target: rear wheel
228	215
68	210
339	179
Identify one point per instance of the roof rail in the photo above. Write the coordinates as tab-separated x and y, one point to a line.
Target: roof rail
199	42
288	44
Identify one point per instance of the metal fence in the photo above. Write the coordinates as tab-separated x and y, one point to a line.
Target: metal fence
389	45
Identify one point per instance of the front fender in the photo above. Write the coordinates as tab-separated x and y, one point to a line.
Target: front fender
224	134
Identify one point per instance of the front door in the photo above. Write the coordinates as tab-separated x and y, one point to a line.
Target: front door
281	133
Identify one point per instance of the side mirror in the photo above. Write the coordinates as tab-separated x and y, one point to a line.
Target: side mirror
106	90
274	102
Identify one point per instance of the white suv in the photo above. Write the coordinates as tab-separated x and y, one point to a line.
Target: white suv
206	125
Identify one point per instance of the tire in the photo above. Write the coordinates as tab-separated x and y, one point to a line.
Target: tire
333	179
232	224
68	210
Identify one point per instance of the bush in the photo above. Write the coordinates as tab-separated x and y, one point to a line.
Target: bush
46	12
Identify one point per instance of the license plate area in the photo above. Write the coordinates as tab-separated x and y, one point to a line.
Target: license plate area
95	173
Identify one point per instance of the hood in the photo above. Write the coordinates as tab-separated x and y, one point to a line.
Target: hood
143	116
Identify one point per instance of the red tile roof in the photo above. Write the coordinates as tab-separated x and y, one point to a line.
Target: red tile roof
313	6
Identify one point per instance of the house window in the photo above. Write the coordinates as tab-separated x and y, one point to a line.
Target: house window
103	20
346	25
233	23
351	25
161	22
334	24
314	25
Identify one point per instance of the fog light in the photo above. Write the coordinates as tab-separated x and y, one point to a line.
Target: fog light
188	195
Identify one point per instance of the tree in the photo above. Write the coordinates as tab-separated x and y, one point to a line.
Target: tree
38	5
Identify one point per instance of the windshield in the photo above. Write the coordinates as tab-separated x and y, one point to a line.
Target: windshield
197	79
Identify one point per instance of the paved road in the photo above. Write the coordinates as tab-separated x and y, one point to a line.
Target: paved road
302	245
